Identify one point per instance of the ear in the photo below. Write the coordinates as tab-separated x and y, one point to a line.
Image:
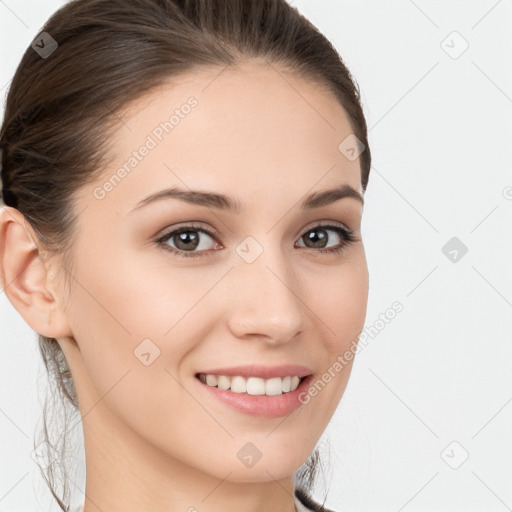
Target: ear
25	277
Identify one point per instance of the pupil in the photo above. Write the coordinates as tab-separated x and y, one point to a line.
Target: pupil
317	240
187	237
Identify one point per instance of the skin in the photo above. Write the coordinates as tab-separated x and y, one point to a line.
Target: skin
154	439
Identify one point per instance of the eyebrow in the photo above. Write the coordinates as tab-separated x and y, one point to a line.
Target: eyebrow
226	203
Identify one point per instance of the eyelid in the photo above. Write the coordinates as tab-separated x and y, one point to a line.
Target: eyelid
323	222
191	224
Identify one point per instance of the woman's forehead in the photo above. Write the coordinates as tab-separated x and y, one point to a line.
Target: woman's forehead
238	131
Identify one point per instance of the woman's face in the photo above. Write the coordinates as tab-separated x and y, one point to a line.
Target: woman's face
247	287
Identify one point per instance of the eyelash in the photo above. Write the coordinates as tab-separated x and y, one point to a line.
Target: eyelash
347	235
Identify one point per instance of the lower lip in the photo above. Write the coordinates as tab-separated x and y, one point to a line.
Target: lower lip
272	406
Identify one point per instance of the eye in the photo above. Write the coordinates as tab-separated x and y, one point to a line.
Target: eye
184	240
187	239
318	238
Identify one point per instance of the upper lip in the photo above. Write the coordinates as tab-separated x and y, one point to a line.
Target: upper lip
263	372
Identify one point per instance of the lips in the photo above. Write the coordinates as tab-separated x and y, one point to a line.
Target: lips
262	406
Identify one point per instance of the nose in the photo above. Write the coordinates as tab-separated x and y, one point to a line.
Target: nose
267	300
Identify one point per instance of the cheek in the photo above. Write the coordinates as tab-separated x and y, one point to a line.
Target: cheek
127	316
120	317
341	303
140	317
130	298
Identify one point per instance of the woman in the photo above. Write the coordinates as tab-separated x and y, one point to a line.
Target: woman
183	185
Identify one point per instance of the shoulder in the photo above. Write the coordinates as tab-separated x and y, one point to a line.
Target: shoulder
305	503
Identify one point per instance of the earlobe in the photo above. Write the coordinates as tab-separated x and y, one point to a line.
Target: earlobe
25	278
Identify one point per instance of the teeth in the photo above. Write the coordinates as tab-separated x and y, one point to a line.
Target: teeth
238	385
223	382
252	385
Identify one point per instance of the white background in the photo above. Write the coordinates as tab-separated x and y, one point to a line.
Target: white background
439	373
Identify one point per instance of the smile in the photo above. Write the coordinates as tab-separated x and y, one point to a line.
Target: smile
235	393
252	385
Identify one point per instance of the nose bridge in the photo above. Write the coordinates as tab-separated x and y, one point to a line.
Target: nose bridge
267	299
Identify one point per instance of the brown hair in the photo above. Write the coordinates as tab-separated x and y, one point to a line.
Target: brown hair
60	110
